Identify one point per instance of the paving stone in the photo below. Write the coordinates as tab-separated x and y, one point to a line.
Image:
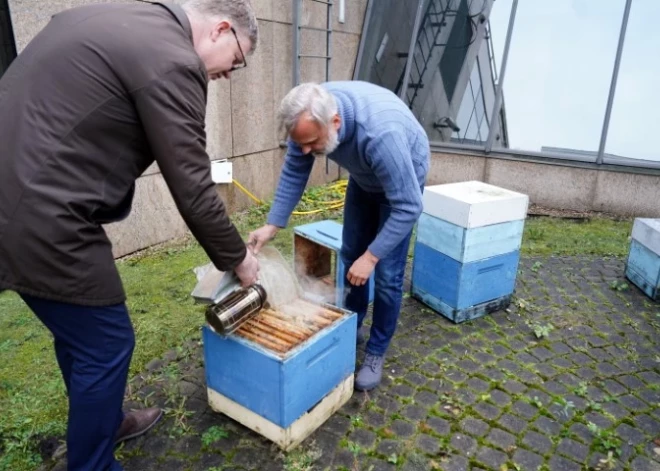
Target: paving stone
500	350
438	425
464	443
387	447
474	427
512	423
338	425
598	419
466	397
649	396
501	439
580	359
615	410
526	359
469	366
555	388
402	390
500	398
375	419
528	377
426	398
389	404
427	444
402	429
484	358
568	379
494	459
560	348
607	369
546	370
457	377
493	374
478	385
642	463
582	433
414	413
455	463
542	353
573	450
537	442
632	403
557	463
648	424
562	363
524	409
631	382
547	425
363	437
630	434
650	377
487	411
526	460
513	387
586	373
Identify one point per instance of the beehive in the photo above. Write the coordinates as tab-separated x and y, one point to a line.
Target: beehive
283	375
643	264
467	248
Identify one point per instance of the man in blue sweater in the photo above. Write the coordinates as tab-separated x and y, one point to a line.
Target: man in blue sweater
370	132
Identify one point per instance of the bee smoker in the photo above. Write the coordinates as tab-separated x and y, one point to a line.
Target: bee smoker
227	314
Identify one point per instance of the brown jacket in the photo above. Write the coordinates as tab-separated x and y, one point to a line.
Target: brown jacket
91	102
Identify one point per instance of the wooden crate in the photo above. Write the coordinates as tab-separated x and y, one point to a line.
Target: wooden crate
316	252
282	377
643	264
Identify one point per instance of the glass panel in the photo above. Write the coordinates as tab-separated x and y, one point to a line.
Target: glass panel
558	75
633	127
387	42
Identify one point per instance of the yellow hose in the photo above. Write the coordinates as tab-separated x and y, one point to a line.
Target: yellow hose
329	205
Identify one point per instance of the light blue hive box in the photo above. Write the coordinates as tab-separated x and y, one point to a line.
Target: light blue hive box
643	264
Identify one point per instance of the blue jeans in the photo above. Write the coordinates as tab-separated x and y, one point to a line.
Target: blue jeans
364	216
93	346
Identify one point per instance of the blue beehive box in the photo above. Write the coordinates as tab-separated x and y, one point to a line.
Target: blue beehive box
275	378
316	249
468	248
643	264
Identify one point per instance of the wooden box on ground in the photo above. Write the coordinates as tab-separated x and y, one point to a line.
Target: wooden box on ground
468	248
280	376
316	250
643	264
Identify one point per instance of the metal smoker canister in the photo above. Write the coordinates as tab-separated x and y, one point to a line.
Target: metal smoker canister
228	314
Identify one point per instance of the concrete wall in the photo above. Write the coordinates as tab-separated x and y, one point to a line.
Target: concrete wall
556	185
241	121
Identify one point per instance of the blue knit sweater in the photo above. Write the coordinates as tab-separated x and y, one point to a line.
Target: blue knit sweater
383	147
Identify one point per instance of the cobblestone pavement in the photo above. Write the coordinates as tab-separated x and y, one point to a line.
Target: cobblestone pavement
567	375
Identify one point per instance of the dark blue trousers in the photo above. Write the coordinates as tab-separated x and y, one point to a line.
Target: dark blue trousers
364	215
93	346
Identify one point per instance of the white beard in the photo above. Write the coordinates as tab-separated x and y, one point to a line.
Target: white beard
331	145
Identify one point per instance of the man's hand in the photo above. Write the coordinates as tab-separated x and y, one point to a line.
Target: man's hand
361	269
261	237
248	270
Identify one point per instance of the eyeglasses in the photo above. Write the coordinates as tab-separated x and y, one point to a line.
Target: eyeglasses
244	64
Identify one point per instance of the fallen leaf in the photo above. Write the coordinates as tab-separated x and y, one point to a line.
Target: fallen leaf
657	441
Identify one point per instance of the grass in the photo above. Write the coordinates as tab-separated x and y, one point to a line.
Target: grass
158	283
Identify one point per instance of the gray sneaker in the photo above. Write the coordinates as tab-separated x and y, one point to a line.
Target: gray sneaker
371	372
361	335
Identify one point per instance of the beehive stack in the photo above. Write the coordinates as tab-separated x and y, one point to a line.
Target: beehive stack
467	248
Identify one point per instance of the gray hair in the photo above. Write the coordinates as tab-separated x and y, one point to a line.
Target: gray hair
239	11
307	97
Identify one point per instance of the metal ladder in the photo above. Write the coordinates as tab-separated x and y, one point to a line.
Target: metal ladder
430	28
297	31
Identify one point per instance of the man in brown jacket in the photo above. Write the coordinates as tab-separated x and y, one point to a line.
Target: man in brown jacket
96	97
